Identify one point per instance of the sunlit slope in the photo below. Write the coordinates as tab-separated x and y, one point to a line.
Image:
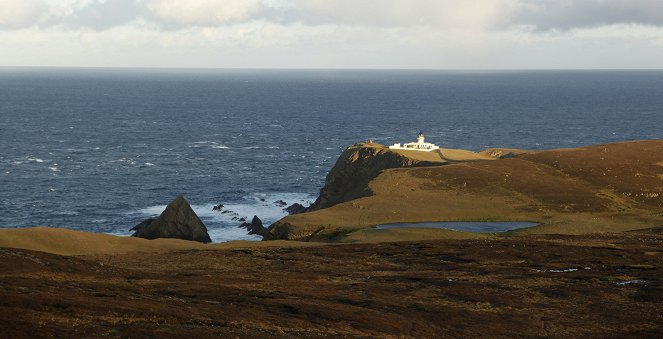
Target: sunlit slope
608	187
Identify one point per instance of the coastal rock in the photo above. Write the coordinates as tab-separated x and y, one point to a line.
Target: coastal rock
280	203
218	207
255	227
177	221
295	208
142	225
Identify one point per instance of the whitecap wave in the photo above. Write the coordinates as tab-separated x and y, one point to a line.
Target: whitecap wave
211	144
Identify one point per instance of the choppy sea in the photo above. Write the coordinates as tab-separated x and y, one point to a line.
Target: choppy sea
102	149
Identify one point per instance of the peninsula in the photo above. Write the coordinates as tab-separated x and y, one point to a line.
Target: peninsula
601	188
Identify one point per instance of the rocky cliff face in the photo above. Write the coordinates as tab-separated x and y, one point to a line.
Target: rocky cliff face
355	167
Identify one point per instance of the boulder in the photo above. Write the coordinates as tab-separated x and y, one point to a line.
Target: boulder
255	227
177	221
280	203
295	208
218	207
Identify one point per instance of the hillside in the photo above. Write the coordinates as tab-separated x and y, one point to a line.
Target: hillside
612	187
361	163
532	286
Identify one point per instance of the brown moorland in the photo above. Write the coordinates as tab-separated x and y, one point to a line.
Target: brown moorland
599	285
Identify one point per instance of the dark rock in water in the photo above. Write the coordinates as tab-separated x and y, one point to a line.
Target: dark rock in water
217	207
142	225
255	227
242	219
280	203
295	208
177	221
226	211
262	199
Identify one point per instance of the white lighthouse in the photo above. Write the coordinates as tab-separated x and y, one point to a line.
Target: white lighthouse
420	138
420	145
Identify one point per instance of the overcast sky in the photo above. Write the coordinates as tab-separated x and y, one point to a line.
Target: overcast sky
441	34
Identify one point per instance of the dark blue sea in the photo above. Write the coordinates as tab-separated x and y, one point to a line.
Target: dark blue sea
101	149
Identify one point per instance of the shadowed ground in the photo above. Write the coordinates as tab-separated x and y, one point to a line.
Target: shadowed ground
608	285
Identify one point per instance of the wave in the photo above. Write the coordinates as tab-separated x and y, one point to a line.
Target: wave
212	144
261	147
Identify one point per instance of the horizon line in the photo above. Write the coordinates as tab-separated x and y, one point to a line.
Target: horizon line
323	68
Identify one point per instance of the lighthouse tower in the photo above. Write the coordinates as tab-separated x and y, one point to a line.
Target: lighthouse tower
420	138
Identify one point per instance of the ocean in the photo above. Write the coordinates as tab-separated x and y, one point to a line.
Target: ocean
102	149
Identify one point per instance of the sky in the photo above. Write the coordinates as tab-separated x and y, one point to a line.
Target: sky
367	34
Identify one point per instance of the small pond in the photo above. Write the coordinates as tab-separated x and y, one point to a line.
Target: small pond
465	226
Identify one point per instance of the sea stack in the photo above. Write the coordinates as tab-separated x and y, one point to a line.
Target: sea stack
177	221
255	227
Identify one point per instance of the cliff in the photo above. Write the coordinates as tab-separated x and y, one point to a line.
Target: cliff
357	166
612	187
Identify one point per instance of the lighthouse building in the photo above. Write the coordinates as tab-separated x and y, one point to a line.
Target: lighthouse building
419	145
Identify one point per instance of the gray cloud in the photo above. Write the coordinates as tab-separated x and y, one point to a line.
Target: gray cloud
563	15
541	15
100	15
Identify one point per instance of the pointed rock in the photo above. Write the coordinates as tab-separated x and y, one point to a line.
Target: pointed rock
255	227
177	221
295	208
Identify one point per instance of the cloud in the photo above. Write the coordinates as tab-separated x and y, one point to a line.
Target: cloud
568	14
100	15
475	15
203	12
21	14
400	13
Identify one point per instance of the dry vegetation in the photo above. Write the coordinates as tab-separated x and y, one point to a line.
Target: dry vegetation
608	285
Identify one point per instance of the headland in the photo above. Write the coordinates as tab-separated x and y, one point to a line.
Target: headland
601	188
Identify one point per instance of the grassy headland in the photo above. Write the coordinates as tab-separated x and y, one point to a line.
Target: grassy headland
601	188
